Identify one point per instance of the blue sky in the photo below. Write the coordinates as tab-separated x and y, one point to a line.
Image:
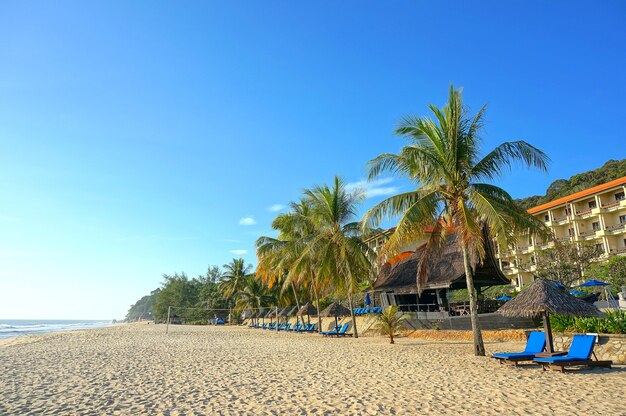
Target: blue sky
142	138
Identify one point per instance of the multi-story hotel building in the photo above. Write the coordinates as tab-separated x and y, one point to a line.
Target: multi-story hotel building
597	215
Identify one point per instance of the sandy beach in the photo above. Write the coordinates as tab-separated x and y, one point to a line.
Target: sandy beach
138	369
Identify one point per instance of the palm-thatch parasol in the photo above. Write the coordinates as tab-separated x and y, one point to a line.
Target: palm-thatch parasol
336	310
542	298
307	310
262	313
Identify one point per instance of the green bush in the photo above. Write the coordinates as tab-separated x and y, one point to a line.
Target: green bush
613	323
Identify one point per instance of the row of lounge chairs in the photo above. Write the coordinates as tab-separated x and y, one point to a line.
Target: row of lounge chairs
339	331
299	327
580	353
365	311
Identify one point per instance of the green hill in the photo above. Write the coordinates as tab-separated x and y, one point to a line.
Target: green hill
611	170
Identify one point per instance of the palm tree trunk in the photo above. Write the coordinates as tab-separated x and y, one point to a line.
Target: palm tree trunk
295	295
479	346
391	338
319	310
355	333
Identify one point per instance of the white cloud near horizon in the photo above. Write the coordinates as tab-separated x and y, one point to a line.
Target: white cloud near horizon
249	220
276	207
239	252
373	188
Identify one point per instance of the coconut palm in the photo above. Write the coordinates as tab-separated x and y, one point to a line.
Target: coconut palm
253	294
336	250
233	277
277	255
389	322
452	195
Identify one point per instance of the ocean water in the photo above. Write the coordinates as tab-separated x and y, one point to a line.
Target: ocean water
16	327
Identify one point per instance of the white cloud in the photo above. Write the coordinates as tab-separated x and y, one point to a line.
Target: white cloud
239	252
373	188
276	208
249	220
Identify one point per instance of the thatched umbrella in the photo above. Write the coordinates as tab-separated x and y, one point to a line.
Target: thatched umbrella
307	310
542	298
336	310
262	313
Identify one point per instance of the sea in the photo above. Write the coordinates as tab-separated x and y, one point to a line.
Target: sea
15	327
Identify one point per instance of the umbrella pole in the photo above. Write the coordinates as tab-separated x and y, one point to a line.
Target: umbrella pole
548	330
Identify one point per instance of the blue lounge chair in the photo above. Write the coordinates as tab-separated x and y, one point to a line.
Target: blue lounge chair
342	332
296	327
272	325
333	332
308	328
285	328
304	328
534	345
358	311
264	326
579	353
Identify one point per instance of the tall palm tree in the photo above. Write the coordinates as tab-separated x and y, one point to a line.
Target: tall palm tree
276	256
336	247
233	277
253	294
443	160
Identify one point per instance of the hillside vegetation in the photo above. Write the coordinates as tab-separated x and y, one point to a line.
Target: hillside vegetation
611	170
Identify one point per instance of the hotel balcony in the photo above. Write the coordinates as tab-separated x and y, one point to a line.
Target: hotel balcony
559	220
619	251
614	206
510	270
615	229
586	213
587	234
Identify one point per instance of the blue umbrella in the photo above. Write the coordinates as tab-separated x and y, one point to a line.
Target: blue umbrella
593	282
368	300
576	292
559	285
504	298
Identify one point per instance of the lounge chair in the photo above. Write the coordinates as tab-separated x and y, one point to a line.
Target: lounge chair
342	332
580	352
272	325
338	329
285	328
534	345
304	328
264	326
296	327
308	328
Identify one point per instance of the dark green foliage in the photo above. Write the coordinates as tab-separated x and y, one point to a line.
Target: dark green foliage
613	271
142	309
566	262
613	323
613	169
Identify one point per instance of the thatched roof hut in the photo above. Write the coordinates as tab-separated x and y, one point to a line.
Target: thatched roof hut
289	311
307	309
541	297
445	270
336	310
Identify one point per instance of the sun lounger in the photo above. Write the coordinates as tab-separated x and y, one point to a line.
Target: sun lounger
342	332
272	325
308	328
296	327
579	353
339	330
264	326
535	344
285	328
304	328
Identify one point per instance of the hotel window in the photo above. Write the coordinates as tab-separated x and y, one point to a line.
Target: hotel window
569	211
595	226
600	247
622	219
570	232
619	196
592	204
546	217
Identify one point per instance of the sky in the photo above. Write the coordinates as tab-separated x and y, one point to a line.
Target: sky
147	137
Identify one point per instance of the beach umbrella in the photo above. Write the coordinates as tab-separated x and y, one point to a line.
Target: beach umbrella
262	313
559	285
504	298
368	300
576	292
593	282
336	310
308	310
543	298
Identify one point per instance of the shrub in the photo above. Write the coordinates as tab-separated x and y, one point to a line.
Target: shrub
613	323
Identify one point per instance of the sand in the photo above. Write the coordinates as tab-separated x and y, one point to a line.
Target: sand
138	369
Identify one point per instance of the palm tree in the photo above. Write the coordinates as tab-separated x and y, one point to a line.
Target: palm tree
336	247
277	255
443	160
253	294
389	323
233	277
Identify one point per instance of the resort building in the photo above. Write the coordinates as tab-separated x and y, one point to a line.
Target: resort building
596	215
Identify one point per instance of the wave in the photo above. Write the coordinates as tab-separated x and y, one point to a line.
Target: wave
17	328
